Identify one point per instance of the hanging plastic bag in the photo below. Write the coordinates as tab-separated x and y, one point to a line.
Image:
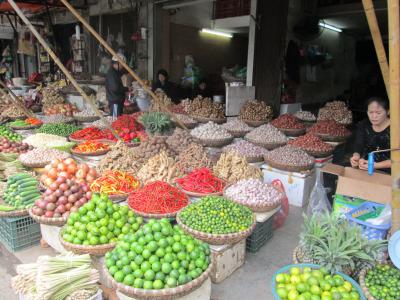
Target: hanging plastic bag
281	215
318	202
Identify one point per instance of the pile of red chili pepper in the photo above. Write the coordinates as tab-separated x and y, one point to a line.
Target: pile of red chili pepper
115	183
201	181
158	198
33	121
91	147
89	133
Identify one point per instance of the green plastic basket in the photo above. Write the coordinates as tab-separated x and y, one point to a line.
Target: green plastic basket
18	233
261	234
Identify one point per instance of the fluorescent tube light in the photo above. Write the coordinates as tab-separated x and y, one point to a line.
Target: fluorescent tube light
215	32
331	27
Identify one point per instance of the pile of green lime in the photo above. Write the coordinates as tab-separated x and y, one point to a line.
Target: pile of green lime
99	221
8	133
383	282
313	284
217	215
157	256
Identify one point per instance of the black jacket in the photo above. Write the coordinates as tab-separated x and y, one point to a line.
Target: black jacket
115	91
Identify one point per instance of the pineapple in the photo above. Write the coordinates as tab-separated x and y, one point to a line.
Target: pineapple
333	243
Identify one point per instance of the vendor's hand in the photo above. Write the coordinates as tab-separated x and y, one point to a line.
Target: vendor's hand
363	164
354	160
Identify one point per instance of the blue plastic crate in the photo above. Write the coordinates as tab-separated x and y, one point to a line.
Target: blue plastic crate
370	231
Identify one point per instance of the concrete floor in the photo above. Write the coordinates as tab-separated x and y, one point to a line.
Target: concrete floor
251	282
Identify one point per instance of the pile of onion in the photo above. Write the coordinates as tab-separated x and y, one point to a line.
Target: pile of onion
62	197
69	169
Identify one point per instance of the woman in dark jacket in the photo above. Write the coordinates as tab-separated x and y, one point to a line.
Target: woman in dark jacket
373	134
162	83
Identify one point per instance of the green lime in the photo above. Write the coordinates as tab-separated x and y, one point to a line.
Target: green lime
146	253
138	273
148	285
145	266
138	283
160	276
112	270
156	266
166	268
119	276
129	280
158	284
149	275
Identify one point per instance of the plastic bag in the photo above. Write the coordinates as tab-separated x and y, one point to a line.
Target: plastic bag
281	215
384	217
318	203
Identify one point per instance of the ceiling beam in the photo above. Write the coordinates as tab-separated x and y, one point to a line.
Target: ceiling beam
349	9
168	4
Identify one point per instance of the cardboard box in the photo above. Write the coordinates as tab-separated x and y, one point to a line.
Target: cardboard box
357	183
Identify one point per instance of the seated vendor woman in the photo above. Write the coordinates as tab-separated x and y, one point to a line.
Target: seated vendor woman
373	134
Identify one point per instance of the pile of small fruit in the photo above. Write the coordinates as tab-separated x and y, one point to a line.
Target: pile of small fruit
157	256
8	133
70	169
9	146
313	284
383	282
100	222
216	215
62	197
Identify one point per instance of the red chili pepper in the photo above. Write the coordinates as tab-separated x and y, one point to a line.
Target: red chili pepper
158	198
201	181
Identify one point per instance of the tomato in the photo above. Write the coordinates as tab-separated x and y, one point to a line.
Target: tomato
72	168
52	173
62	167
80	174
84	167
69	161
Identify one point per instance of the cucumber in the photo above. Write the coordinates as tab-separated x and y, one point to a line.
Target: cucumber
6	208
31	192
20	176
30	197
28	184
26	180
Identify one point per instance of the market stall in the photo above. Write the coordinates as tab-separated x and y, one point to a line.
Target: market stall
154	211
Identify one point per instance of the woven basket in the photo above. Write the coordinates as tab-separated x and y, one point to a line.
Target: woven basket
254	159
288	168
14	213
98	153
318	154
156	216
255	123
118	198
48	221
86	118
217	239
98	250
214	143
35	165
24	127
238	134
206	120
163	294
329	138
364	288
293	132
266	145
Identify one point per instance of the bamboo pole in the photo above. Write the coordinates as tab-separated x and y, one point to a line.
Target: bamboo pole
60	65
16	100
394	64
124	64
377	39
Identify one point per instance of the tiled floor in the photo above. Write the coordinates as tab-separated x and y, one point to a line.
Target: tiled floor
251	282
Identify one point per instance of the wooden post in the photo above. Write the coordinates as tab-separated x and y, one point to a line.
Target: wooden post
377	39
113	53
394	64
60	65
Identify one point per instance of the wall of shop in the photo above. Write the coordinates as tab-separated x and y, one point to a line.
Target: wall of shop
211	53
332	81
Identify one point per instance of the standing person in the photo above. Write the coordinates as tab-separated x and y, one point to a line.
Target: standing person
373	134
115	90
163	83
